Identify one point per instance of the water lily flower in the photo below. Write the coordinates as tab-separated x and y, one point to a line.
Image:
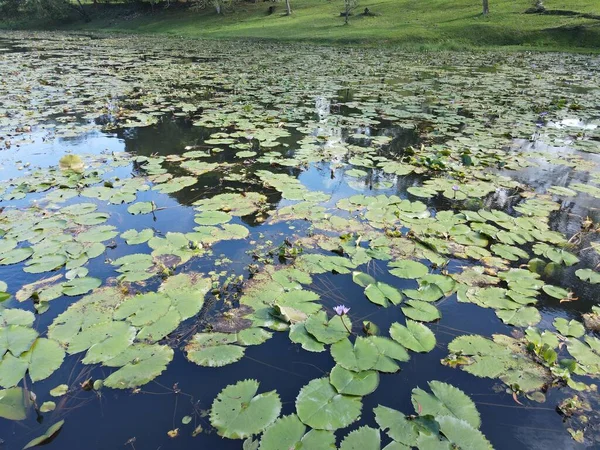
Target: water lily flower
455	188
341	310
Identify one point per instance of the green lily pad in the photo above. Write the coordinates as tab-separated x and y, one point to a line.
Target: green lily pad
238	412
446	400
567	328
80	286
389	352
408	269
139	364
354	383
363	355
47	407
364	438
214	349
383	294
421	311
51	432
583	274
12	404
327	331
522	317
363	279
59	390
463	435
141	208
289	432
15	256
414	336
212	218
98	233
299	335
321	407
133	237
44	264
555	291
396	425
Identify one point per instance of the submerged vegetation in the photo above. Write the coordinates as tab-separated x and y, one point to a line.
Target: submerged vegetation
363	212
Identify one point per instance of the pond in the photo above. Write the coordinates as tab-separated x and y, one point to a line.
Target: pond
212	244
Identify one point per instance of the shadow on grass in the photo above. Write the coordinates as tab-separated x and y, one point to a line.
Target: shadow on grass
582	35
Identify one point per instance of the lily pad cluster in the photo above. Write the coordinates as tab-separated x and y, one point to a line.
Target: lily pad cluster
416	180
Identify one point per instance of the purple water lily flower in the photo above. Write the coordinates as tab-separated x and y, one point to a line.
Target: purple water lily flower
341	310
455	188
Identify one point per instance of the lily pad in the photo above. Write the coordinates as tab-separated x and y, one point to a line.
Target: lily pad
414	336
408	269
354	383
12	404
328	331
49	434
364	438
238	412
289	432
446	400
139	364
570	328
321	407
421	311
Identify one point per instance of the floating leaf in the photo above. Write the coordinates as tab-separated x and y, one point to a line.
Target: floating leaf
555	291
502	358
446	400
396	425
15	256
389	352
408	269
46	356
299	335
321	407
363	279
49	434
525	316
289	432
363	355
421	311
328	331
383	294
80	286
59	390
364	438
71	162
12	404
44	264
47	407
583	274
214	349
139	364
463	435
354	383
212	218
571	328
238	412
132	237
141	208
414	336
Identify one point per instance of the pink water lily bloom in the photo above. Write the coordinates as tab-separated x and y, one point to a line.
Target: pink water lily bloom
341	310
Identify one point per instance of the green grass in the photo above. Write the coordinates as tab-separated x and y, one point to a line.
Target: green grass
426	24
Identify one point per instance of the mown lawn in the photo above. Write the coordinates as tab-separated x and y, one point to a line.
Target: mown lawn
411	23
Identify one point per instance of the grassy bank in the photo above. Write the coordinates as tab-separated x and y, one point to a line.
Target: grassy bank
411	23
